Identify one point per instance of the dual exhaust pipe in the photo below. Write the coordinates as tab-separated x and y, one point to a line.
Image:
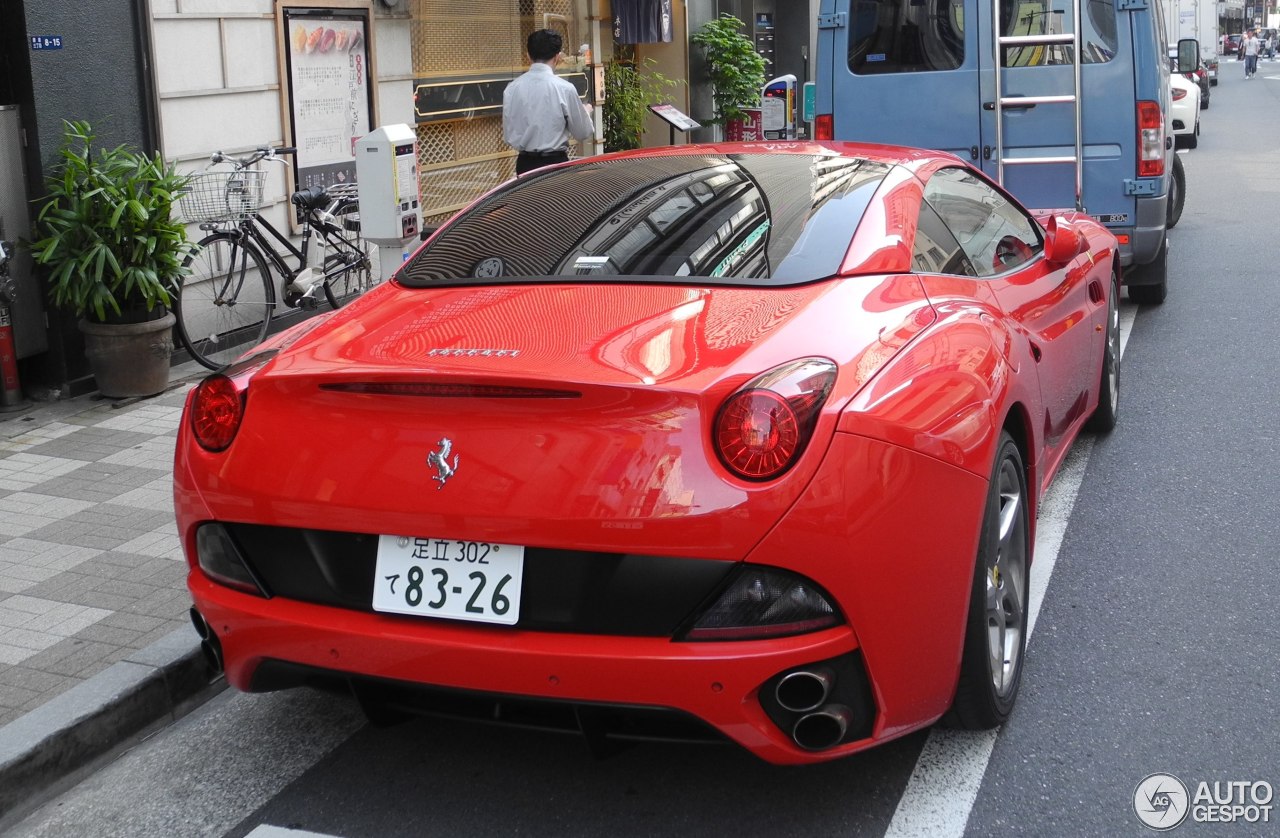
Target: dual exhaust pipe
210	646
822	724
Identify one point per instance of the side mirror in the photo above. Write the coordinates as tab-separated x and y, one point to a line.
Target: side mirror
1061	240
1188	55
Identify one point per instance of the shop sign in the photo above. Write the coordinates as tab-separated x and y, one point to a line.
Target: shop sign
330	91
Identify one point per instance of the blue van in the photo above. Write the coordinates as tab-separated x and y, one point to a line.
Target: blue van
1093	134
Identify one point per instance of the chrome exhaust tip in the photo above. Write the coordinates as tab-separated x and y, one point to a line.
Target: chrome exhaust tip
805	689
210	647
197	620
822	729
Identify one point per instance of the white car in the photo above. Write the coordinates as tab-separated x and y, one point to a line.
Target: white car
1185	112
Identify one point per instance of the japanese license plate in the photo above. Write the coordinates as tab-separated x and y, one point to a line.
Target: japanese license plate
446	577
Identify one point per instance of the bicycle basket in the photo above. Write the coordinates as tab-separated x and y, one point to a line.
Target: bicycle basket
222	196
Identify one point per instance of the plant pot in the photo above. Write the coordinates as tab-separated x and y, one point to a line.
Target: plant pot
129	359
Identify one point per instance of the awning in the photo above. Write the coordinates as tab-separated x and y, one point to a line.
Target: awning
642	21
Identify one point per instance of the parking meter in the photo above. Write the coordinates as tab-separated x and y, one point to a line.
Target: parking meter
778	101
387	180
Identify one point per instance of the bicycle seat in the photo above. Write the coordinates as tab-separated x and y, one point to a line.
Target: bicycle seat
311	198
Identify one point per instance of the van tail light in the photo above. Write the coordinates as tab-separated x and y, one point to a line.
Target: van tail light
1179	94
1150	139
218	403
824	127
762	429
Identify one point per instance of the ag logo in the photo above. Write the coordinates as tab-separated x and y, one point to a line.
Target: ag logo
1161	801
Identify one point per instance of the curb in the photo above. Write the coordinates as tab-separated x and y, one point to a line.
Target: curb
48	744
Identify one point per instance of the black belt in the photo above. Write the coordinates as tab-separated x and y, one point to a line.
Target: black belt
546	153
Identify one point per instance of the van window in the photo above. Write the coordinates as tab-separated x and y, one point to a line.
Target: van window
1098	43
906	36
995	233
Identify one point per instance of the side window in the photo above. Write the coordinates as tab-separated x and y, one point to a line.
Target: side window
1098	41
995	233
936	251
905	36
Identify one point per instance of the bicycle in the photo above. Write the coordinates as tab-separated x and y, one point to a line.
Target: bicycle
225	304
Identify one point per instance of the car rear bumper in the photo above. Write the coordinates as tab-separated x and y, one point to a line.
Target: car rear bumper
905	585
269	644
1146	236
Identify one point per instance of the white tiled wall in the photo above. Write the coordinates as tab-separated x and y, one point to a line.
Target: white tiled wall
218	75
251	52
188	55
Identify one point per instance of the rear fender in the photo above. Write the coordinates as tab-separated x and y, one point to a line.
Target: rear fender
947	395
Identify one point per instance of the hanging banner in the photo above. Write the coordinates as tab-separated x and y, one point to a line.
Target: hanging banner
642	21
330	92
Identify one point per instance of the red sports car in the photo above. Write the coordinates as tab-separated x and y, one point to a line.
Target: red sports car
738	442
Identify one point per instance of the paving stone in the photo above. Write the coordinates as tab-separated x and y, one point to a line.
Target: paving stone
91	566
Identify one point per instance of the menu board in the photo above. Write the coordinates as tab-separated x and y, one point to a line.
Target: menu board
326	57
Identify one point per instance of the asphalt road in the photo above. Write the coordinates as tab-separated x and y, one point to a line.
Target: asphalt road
1155	650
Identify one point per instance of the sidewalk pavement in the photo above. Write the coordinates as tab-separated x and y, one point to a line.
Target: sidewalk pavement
95	643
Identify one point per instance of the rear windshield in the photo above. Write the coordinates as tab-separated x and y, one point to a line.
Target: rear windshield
766	219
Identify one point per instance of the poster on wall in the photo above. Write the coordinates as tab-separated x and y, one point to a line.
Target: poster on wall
330	95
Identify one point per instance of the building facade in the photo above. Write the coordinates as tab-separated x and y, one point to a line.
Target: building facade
190	77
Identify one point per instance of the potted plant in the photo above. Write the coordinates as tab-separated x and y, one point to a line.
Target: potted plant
629	90
735	69
114	257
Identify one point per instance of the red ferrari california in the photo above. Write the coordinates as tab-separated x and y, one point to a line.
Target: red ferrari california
737	442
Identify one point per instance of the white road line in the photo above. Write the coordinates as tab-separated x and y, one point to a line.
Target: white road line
945	782
267	831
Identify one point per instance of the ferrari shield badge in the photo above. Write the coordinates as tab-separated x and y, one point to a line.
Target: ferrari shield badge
439	460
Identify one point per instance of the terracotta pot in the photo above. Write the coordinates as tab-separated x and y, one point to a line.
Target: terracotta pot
129	359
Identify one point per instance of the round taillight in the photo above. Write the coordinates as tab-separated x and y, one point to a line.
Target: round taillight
757	434
216	412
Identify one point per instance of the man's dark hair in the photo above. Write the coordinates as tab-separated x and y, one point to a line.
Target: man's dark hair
544	44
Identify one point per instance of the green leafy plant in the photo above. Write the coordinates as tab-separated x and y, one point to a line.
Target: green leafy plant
628	91
735	69
105	232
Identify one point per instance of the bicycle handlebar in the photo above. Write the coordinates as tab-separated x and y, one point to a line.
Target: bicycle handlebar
260	153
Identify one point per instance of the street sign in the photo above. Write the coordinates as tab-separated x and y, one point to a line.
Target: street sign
43	42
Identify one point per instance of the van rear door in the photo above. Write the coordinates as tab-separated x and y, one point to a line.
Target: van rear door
919	73
1108	111
902	71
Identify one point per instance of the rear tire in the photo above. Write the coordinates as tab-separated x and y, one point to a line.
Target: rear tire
1153	293
224	305
996	628
1104	417
1177	193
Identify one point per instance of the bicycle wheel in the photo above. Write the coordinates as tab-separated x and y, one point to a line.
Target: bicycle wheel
353	262
224	304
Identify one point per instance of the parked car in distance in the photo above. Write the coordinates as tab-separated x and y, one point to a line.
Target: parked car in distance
1200	76
1231	44
735	442
1185	112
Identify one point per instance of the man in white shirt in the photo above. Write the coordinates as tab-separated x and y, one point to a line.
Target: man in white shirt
541	111
1250	48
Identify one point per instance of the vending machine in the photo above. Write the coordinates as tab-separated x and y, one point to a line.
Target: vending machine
387	177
